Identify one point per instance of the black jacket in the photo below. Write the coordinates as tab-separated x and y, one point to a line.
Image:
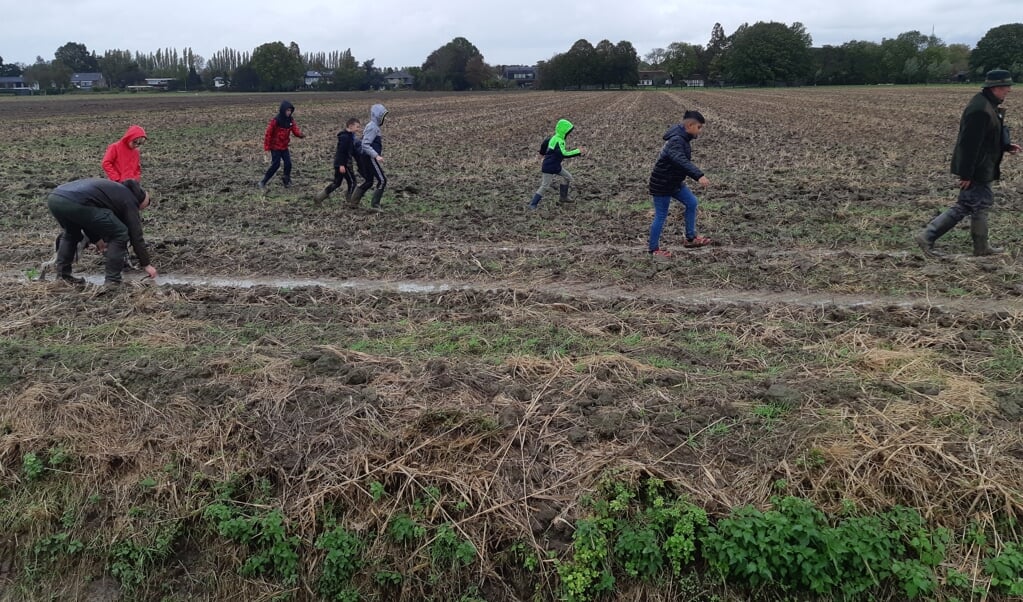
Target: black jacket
104	194
979	147
674	163
345	149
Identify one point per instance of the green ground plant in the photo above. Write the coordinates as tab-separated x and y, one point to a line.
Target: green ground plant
132	560
343	560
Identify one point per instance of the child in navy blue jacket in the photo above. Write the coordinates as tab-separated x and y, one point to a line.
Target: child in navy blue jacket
667	181
347	140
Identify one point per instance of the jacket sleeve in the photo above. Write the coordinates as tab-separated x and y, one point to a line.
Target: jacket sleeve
971	144
368	136
268	135
110	163
678	156
341	152
567	153
296	130
138	242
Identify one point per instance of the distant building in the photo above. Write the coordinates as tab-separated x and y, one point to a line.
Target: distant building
399	79
161	83
220	82
694	83
12	82
87	81
654	78
521	75
316	78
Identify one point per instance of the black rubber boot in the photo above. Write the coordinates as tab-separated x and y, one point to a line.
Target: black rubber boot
348	197
533	204
116	251
321	196
978	230
563	194
66	251
377	195
356	198
934	230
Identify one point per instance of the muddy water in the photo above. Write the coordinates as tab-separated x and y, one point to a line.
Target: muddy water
581	290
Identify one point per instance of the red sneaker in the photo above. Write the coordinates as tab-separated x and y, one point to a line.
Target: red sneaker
699	241
660	255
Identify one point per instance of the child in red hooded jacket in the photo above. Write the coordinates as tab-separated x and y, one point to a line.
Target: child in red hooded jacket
275	142
121	161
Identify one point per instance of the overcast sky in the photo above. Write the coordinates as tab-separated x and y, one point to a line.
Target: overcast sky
399	33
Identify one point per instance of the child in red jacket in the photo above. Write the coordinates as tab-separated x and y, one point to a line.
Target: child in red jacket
276	140
121	161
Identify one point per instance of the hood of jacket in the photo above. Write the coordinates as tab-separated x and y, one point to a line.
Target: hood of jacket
283	119
677	130
563	127
134	131
377	113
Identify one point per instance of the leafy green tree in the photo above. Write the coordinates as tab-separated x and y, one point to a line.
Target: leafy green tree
896	53
550	73
581	64
278	68
446	67
655	57
682	59
959	57
603	70
9	69
768	53
245	78
477	73
1000	48
625	64
77	58
120	69
193	81
711	63
372	78
851	63
51	75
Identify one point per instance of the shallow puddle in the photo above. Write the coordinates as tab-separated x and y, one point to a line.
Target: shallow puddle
582	290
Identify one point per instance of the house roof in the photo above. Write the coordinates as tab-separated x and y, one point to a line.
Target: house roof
11	79
399	75
86	77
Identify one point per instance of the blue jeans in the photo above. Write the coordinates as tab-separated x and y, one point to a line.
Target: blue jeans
276	157
661	203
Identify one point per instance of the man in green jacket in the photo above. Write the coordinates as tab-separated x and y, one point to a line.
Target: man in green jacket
976	159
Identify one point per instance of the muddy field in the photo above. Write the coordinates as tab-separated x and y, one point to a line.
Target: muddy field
483	370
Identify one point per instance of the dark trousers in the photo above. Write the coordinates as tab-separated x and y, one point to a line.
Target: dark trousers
276	158
370	170
97	223
978	197
342	178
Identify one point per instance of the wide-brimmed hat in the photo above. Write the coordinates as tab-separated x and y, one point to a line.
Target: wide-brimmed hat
997	77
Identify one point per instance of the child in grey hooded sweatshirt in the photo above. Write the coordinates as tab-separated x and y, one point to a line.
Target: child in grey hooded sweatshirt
370	158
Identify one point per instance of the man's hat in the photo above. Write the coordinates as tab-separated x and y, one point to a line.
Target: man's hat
997	77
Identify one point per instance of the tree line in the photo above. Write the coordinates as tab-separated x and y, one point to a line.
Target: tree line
765	53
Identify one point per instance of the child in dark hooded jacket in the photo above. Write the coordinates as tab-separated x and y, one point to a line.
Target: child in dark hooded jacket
347	141
276	141
667	181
